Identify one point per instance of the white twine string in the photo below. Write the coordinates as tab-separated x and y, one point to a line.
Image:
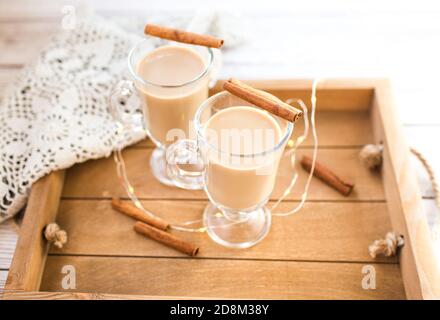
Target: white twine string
431	174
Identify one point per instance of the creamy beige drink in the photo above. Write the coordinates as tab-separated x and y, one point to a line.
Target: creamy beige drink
174	93
247	179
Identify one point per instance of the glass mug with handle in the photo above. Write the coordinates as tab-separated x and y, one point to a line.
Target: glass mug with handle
238	147
171	80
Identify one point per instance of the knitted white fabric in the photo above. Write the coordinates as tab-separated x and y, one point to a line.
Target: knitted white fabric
56	113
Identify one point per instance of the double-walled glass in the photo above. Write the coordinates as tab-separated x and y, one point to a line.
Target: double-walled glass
238	184
168	109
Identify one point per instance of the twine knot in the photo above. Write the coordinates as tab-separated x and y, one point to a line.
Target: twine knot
371	156
388	246
55	235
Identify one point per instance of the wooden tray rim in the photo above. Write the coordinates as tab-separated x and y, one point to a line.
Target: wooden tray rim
417	267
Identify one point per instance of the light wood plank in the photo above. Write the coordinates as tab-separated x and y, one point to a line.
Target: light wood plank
7	75
213	278
42	10
433	215
97	179
36	8
23	10
8	240
319	232
338	129
20	42
30	255
432	212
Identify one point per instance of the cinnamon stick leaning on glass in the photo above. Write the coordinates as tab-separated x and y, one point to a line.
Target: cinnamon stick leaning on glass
263	100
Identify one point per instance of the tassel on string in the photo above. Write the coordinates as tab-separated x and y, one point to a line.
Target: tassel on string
55	235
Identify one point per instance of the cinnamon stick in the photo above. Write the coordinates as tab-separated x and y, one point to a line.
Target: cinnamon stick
166	238
263	100
327	176
131	211
182	36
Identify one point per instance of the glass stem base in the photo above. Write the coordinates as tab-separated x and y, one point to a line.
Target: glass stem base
237	233
158	166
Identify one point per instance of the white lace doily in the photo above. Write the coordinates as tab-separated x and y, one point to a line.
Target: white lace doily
56	113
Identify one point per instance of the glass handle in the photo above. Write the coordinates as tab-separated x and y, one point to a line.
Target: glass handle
185	163
122	110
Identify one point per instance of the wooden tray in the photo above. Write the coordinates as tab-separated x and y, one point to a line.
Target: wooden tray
318	253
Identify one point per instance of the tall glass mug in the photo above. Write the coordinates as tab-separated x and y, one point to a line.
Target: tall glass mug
171	81
239	147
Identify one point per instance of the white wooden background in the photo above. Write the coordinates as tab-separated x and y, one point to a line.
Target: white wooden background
284	39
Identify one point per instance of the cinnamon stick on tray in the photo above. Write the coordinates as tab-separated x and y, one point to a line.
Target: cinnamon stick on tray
327	176
182	36
166	238
131	211
263	100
